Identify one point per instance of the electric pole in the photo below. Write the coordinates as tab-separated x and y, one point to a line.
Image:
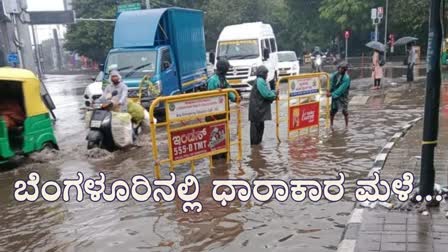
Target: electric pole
432	101
385	29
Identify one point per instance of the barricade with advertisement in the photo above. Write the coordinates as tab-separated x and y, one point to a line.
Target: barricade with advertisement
303	103
197	126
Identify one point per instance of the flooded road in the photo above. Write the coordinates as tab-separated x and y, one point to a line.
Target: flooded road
240	226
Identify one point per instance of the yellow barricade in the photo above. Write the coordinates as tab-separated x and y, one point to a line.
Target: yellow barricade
197	125
303	102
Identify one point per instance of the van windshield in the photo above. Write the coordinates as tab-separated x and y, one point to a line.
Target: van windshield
135	64
239	49
287	57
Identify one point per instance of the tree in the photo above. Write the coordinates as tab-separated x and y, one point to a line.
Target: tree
92	39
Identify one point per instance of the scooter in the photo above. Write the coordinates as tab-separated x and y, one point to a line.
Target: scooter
317	63
100	134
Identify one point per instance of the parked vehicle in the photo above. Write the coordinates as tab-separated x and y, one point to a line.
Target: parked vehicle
94	90
288	64
166	44
25	123
247	46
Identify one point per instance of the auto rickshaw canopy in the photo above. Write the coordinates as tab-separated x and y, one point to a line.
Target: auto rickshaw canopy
31	89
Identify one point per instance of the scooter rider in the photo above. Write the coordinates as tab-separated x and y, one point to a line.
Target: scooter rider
121	100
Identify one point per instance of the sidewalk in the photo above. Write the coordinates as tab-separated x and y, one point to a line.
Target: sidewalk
403	228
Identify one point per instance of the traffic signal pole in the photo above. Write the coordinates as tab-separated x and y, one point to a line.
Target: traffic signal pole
432	101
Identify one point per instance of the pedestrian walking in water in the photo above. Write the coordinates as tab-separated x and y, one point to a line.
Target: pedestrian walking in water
412	57
377	69
261	98
215	82
340	85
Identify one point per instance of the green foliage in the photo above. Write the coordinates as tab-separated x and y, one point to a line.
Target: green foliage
91	39
299	24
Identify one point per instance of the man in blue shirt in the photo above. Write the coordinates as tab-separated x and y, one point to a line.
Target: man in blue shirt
340	85
261	98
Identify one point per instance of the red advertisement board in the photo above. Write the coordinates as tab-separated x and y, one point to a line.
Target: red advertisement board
197	141
303	116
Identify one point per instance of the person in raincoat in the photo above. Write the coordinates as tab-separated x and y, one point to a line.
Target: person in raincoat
121	99
377	69
340	85
219	81
261	98
412	57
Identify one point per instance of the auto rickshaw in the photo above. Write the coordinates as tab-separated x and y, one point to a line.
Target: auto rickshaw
25	123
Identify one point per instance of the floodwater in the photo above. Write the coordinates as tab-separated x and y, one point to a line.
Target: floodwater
240	226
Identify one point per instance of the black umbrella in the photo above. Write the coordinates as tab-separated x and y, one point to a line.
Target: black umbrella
405	41
376	45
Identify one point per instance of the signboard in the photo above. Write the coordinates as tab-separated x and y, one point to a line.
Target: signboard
303	116
380	12
197	107
129	7
52	17
347	34
198	140
301	87
13	58
374	13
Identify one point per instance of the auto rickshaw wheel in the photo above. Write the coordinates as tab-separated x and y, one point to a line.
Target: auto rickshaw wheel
48	146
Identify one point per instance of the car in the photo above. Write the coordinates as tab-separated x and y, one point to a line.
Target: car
288	64
94	90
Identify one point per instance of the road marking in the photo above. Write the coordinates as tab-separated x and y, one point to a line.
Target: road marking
397	135
347	246
381	157
356	216
407	126
359	100
373	170
389	145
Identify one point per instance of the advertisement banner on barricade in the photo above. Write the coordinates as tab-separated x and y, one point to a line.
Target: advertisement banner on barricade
196	141
304	116
303	102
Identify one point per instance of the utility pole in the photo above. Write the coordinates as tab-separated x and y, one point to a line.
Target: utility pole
148	4
58	50
432	101
37	52
385	30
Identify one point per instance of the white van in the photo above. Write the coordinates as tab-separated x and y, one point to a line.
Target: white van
288	64
247	46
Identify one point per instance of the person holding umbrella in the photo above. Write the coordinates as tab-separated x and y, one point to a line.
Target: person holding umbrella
411	55
377	69
377	62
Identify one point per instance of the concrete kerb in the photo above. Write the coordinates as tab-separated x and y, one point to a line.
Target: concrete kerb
351	232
